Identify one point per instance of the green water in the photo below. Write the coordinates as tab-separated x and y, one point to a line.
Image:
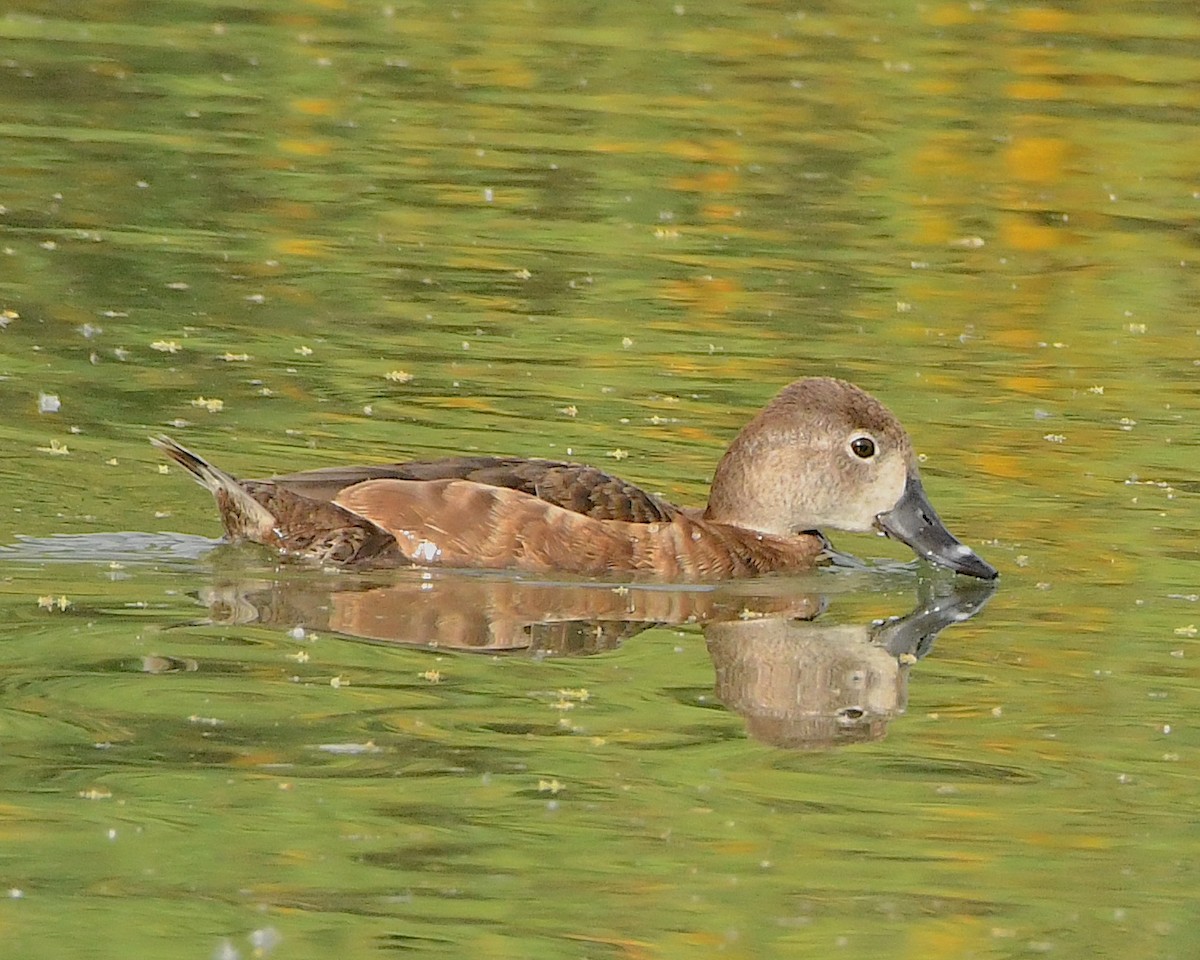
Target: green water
607	232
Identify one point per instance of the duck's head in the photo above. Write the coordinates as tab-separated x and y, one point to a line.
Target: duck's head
824	453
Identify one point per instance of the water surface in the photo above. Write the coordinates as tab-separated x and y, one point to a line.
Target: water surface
306	234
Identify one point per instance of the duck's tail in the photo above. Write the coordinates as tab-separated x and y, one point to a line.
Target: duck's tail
244	517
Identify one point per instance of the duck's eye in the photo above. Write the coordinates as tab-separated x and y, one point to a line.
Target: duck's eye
863	447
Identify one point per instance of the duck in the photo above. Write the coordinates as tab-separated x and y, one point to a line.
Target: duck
822	454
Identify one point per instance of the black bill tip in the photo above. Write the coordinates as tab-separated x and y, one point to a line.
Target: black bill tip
914	521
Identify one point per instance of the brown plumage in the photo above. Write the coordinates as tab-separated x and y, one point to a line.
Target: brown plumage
822	453
572	486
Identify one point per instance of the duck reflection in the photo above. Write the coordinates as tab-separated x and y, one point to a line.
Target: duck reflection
811	685
797	681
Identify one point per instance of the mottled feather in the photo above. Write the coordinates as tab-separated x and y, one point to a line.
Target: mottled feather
572	486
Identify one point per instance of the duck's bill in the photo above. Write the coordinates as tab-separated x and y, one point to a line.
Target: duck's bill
914	521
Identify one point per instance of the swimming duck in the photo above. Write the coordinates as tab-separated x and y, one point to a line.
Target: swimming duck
822	453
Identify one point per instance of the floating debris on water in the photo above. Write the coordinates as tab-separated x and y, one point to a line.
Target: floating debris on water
205	721
350	749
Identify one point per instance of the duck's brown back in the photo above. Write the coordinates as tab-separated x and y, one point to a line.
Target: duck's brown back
575	487
463	523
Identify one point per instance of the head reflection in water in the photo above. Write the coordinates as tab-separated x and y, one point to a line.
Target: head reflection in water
807	685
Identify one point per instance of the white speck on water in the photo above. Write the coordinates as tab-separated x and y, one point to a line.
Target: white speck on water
264	940
349	749
226	951
206	721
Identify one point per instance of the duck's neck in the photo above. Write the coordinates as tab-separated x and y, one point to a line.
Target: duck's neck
741	498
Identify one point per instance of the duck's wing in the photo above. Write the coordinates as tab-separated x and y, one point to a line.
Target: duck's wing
575	487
